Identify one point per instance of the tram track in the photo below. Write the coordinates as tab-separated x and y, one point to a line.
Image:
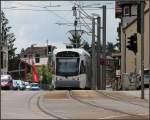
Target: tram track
104	107
39	106
119	100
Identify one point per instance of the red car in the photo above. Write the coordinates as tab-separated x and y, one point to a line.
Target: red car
6	82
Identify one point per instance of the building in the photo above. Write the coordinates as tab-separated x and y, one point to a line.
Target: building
127	12
38	55
4	56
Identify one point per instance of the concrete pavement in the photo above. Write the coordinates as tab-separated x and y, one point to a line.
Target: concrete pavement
77	104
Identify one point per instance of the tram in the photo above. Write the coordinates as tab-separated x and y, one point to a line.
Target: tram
71	68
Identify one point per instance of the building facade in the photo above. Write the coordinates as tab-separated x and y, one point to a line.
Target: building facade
130	62
38	55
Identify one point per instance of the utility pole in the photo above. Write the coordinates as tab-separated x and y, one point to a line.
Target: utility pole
149	58
98	52
47	47
104	49
75	25
142	48
93	56
0	54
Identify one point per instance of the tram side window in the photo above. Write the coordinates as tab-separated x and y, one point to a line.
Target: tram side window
82	68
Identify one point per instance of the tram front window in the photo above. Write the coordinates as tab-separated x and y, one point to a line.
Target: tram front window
67	66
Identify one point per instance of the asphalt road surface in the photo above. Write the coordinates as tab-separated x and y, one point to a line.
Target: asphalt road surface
75	104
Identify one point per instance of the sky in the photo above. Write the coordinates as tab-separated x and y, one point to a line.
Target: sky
35	22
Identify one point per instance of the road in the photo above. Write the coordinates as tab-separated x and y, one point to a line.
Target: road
75	104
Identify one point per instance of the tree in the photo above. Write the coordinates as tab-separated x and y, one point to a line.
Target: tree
75	41
22	51
110	48
7	36
46	74
118	44
86	46
11	48
30	76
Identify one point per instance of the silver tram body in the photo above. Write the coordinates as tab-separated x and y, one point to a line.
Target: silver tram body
71	68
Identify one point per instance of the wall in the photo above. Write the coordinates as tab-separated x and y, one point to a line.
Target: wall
130	55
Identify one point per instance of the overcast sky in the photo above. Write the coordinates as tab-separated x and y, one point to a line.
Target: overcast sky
35	27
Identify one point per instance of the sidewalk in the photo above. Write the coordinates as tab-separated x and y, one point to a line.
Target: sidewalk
137	93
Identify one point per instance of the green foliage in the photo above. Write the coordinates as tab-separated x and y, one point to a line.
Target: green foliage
86	46
7	36
30	76
118	44
75	41
110	48
46	74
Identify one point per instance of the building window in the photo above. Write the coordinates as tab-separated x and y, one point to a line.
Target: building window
127	10
37	58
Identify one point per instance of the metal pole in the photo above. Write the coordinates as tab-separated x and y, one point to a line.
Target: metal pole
93	55
149	59
0	51
19	70
98	52
125	37
76	35
104	49
142	49
47	47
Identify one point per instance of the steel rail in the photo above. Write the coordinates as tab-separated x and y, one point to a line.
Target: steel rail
40	108
46	112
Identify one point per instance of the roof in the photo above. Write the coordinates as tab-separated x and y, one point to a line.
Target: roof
37	50
78	50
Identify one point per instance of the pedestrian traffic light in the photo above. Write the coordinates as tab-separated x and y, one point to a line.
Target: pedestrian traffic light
132	43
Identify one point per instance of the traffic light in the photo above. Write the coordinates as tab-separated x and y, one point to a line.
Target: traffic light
132	43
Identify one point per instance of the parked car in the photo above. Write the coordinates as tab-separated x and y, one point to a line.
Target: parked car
19	84
6	82
15	85
35	86
27	85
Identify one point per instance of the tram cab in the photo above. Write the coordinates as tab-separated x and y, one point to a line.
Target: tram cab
71	68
